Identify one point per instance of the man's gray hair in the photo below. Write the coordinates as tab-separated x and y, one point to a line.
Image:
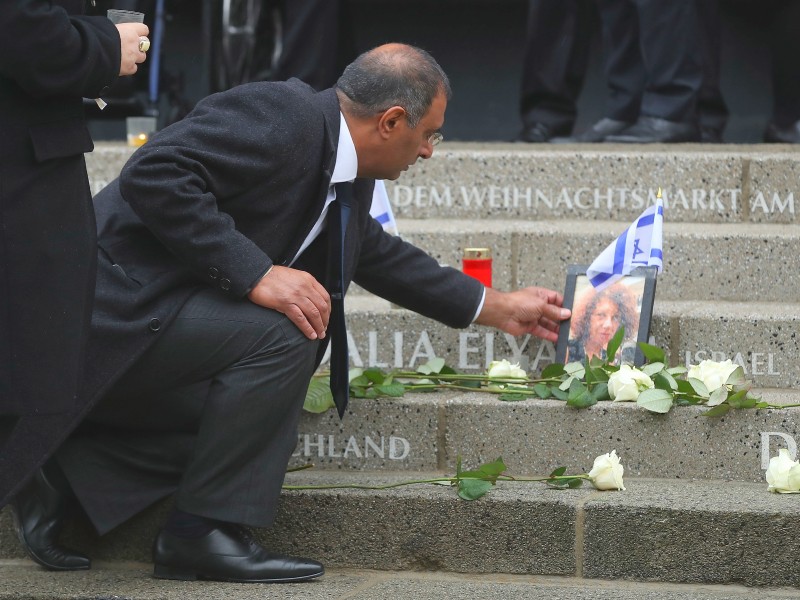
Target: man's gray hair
393	75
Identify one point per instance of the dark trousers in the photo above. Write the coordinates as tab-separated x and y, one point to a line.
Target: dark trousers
556	55
209	412
657	51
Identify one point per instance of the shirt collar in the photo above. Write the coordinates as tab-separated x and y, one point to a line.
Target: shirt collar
346	167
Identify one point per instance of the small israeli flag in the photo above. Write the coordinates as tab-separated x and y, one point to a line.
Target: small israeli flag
381	210
638	246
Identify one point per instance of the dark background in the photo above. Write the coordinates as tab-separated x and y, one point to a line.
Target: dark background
478	43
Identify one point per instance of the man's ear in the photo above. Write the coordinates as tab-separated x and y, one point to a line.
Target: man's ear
390	119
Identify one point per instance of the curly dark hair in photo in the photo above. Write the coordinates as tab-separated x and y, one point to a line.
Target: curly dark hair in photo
586	305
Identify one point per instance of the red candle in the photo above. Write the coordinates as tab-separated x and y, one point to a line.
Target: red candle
477	263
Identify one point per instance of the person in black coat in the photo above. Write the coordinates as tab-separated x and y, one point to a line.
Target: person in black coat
212	302
51	56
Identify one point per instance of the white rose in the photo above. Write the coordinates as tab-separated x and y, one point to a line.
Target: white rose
626	384
502	369
783	474
606	474
712	373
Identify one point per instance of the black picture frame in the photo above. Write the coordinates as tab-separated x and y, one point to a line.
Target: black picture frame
575	334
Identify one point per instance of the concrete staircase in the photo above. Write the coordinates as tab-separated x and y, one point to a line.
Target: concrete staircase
696	509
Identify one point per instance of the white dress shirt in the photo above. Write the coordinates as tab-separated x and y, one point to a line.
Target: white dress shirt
346	169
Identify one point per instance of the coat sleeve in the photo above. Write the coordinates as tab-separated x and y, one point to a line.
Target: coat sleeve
50	53
406	275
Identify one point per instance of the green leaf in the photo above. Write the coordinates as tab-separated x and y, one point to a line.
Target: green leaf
354	372
361	381
679	370
655	400
737	377
600	392
472	489
434	365
542	390
599	374
684	387
579	396
614	343
663	380
375	375
652	368
488	471
394	390
558	393
575	369
718	396
699	387
718	411
652	353
740	399
319	397
552	371
558	472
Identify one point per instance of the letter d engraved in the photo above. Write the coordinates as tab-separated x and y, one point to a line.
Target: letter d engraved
399	448
791	446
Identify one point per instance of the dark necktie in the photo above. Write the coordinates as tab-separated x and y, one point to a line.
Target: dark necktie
338	216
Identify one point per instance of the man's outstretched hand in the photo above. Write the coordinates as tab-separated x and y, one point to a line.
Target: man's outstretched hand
297	295
533	310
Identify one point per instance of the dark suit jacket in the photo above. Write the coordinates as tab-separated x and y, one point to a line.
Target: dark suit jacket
215	199
49	59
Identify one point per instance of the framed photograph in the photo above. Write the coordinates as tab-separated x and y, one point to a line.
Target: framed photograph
596	316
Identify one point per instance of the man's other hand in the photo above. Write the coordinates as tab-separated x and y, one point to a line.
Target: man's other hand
297	295
533	310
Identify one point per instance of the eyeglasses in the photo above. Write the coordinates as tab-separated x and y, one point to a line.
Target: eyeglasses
435	138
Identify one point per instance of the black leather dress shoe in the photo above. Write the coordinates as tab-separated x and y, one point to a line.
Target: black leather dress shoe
539	133
227	553
783	135
601	130
39	511
652	130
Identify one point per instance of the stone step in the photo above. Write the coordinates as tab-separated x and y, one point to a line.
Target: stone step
723	184
423	432
701	532
133	581
704	261
764	337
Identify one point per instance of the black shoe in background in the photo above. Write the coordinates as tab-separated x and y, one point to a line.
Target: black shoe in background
539	133
39	511
226	553
783	135
652	130
600	131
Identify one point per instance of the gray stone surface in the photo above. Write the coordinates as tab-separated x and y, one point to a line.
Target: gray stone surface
707	532
401	434
721	184
698	257
656	530
132	581
764	337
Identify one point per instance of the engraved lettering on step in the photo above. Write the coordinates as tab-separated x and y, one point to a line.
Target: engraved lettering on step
499	198
475	351
753	363
791	446
316	445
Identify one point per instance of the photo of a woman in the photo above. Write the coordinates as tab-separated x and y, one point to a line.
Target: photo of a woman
596	317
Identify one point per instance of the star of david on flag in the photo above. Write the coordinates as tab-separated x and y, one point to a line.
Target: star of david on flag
637	246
